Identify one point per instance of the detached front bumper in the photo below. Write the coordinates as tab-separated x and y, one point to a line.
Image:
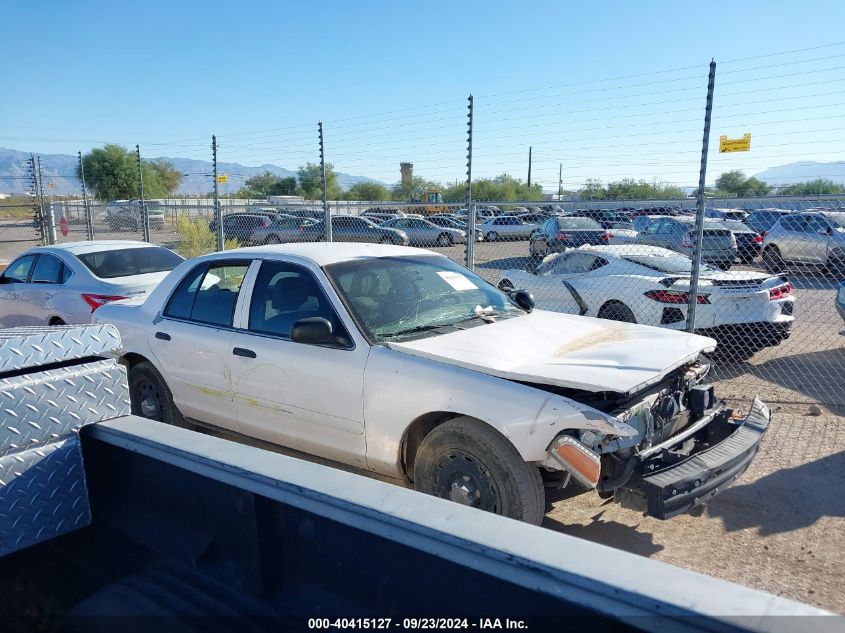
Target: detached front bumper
662	487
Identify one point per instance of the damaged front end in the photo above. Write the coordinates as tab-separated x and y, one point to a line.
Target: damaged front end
688	446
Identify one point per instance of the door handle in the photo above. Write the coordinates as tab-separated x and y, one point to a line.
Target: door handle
47	296
163	336
242	351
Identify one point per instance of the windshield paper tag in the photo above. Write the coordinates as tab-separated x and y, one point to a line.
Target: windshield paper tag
457	280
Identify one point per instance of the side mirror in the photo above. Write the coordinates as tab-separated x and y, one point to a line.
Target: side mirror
3	280
311	331
524	300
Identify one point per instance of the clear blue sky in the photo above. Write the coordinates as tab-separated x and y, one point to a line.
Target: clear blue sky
390	81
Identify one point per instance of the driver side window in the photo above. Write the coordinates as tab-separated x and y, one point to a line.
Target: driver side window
284	294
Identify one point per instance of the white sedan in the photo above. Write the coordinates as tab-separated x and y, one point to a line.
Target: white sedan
743	311
400	361
66	283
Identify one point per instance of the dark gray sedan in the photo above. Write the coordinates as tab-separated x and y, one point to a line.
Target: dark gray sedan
353	228
283	230
558	234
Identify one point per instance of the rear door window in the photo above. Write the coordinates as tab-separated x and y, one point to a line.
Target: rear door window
126	262
47	270
208	293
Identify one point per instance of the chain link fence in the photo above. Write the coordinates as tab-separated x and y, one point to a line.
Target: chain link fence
770	264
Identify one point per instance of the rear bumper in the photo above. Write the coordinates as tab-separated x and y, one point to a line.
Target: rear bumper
663	491
765	333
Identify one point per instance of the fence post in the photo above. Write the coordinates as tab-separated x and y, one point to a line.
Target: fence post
89	221
145	219
37	211
470	249
699	215
326	213
218	212
51	219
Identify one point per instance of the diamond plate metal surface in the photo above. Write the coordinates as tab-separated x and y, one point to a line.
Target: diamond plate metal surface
42	494
47	405
34	346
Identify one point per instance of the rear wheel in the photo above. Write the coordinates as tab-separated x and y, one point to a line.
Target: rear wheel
468	462
538	248
150	396
57	321
444	239
772	259
272	239
385	240
616	311
492	236
836	264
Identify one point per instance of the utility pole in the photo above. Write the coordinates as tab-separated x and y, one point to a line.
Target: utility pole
51	221
218	212
560	183
145	220
529	165
89	221
37	211
471	229
326	214
699	215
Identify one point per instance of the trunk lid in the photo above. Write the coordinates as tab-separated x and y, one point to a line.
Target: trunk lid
565	350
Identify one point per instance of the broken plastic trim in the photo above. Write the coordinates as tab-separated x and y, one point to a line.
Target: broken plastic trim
576	459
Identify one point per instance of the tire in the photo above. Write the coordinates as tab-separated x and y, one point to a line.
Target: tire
466	461
836	265
615	311
492	236
385	240
772	261
272	239
57	321
150	396
444	239
538	248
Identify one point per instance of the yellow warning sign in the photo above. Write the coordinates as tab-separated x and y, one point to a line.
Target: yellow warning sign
52	185
735	144
222	179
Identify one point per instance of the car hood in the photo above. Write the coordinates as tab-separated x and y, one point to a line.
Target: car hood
565	350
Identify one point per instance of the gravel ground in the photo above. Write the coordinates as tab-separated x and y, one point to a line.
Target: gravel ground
781	527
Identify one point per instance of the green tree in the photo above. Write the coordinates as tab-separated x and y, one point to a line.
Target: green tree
167	175
754	187
260	185
817	186
732	182
311	184
367	191
284	187
110	172
414	190
503	187
592	189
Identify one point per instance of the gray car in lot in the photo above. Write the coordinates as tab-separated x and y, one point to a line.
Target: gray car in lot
284	229
677	233
813	238
424	233
506	227
353	228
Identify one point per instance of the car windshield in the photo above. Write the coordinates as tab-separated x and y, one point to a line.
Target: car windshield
672	264
393	298
126	262
578	223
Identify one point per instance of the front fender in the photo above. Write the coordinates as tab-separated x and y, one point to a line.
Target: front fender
399	387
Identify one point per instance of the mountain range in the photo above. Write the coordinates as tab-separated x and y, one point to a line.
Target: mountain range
60	169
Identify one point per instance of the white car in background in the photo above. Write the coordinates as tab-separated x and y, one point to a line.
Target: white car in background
743	311
400	361
66	283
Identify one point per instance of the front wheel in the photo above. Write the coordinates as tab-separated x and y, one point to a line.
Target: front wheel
444	239
538	248
468	462
772	260
150	396
492	236
272	239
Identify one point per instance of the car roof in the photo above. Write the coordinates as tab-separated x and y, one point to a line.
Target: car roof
92	246
325	253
